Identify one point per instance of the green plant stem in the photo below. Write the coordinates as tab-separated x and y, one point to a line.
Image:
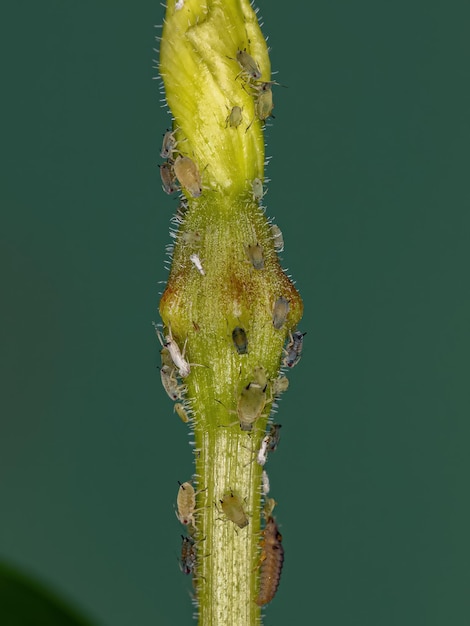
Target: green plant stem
200	74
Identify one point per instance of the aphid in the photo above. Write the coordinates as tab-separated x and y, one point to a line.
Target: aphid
255	254
188	555
251	403
280	311
248	64
279	385
262	455
168	144
234	118
191	237
269	444
187	173
168	178
181	411
272	559
233	509
274	437
240	340
265	483
179	5
277	238
184	368
257	187
186	503
197	263
294	349
268	508
170	383
259	376
264	102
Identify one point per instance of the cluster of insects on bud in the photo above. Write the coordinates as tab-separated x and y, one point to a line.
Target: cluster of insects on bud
182	169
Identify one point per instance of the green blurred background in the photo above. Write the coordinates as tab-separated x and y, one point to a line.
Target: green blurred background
370	185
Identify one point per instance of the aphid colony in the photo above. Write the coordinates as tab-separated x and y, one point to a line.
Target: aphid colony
258	390
181	169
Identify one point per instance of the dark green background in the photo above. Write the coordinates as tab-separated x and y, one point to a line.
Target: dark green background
370	185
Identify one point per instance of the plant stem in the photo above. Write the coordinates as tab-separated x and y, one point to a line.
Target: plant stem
226	227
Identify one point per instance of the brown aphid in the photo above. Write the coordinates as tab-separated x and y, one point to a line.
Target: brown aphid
233	509
255	254
188	555
240	340
187	173
167	175
186	503
272	559
280	311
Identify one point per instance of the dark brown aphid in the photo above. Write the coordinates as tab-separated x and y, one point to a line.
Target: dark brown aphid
272	559
233	508
188	555
240	340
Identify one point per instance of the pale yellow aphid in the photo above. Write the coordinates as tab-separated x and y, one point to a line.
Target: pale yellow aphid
279	385
257	188
187	173
191	237
186	503
268	508
234	118
264	102
181	411
278	239
255	254
252	400
233	508
280	311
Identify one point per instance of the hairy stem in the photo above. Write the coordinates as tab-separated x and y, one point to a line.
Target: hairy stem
231	384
